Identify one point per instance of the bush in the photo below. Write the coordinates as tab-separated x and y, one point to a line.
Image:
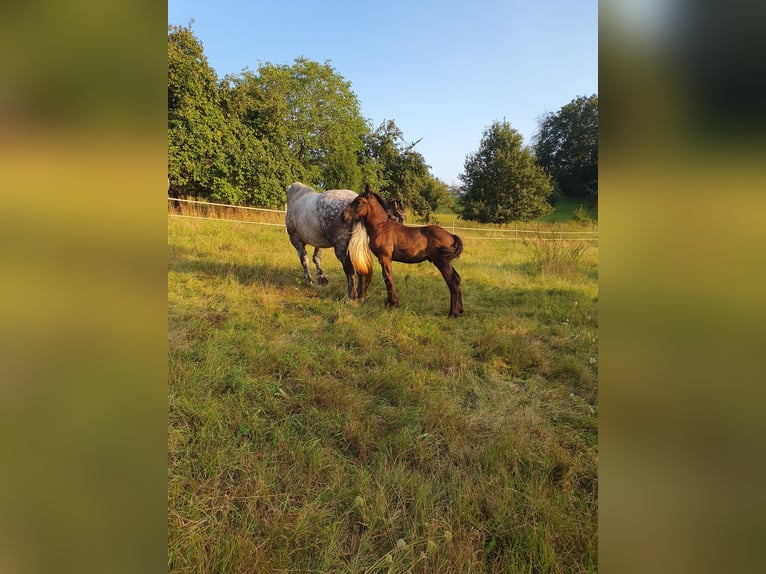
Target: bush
553	255
580	215
224	192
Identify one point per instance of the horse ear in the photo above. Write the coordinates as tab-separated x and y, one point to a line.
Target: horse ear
367	188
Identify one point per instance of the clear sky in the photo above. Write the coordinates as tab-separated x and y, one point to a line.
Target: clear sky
442	70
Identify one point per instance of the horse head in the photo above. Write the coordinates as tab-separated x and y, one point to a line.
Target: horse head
363	203
357	209
395	211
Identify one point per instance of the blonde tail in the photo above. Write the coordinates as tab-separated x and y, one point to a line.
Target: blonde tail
359	250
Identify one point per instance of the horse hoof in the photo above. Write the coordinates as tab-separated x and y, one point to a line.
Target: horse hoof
323	280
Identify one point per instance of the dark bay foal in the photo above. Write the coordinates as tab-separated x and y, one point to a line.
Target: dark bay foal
392	241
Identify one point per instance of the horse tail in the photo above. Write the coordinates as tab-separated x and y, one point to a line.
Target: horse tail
457	246
359	250
454	250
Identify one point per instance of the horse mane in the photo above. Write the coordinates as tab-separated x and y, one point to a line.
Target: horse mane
359	249
381	201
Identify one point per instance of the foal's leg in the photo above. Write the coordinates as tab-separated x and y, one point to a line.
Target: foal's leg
321	277
388	277
452	279
459	291
363	283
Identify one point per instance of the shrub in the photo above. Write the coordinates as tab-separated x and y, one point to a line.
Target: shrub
580	215
555	255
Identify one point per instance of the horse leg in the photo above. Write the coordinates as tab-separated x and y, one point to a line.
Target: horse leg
348	268
452	279
459	291
300	247
363	283
388	277
321	277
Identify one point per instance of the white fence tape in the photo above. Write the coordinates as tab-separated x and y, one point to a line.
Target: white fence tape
591	235
226	205
224	219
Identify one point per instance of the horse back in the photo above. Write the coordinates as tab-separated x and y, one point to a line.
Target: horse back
403	243
297	190
430	242
300	218
316	217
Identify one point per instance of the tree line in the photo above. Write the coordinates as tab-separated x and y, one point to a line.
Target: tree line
242	139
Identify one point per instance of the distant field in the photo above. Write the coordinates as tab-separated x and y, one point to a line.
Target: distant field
311	435
564	210
563	214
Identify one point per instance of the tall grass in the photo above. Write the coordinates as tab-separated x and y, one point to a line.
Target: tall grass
307	434
554	253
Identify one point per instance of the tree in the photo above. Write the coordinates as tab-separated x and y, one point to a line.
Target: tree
196	125
262	163
502	181
436	193
244	139
394	167
323	125
567	147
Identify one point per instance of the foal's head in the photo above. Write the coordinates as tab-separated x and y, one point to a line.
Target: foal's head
357	209
369	203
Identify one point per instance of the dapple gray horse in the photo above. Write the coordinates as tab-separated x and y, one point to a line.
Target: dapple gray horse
315	219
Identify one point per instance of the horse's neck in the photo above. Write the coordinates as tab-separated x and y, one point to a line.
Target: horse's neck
376	216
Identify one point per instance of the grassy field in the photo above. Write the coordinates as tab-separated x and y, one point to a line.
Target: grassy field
311	435
565	209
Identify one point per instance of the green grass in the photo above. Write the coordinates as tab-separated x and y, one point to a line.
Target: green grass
565	209
310	435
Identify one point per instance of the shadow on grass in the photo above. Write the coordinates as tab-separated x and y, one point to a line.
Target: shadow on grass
420	292
243	273
267	275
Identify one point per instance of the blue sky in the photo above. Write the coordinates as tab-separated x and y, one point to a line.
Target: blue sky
442	70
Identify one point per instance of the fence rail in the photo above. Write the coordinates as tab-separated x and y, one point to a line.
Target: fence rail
556	235
206	203
224	219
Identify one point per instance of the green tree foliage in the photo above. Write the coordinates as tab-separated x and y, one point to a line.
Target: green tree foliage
435	193
381	147
323	125
567	147
264	164
225	140
394	168
502	182
244	139
197	164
